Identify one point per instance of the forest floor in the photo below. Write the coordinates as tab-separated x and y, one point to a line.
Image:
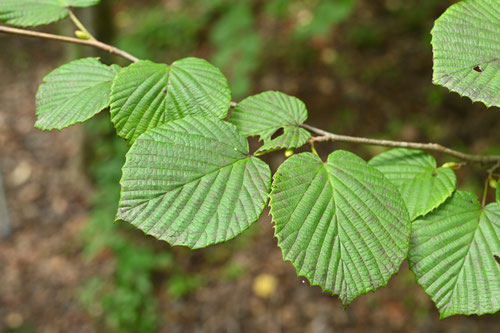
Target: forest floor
42	267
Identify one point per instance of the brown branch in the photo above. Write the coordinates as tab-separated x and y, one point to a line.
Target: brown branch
327	136
72	40
323	135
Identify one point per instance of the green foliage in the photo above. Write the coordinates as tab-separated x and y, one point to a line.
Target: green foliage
181	285
191	182
237	46
328	13
266	113
233	271
341	223
422	185
25	13
452	254
277	7
125	301
74	93
189	178
467	51
145	95
130	303
156	34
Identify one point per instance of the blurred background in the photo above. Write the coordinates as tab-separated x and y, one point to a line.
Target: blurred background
362	67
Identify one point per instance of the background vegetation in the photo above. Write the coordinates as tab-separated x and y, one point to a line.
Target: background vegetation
362	67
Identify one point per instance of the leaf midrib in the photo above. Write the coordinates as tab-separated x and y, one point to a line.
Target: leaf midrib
247	158
455	284
343	250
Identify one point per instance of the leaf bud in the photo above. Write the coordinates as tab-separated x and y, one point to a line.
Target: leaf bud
289	153
451	165
82	35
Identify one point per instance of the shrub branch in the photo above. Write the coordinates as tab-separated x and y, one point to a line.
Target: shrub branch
72	40
323	136
327	136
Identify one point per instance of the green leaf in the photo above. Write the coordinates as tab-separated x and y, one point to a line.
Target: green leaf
145	94
342	224
266	113
73	93
422	185
467	52
292	137
191	182
452	252
25	13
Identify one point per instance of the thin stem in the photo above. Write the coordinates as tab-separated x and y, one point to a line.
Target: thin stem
485	191
313	149
327	136
490	172
79	24
323	135
72	40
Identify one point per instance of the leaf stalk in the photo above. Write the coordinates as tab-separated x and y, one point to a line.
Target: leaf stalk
79	24
325	136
